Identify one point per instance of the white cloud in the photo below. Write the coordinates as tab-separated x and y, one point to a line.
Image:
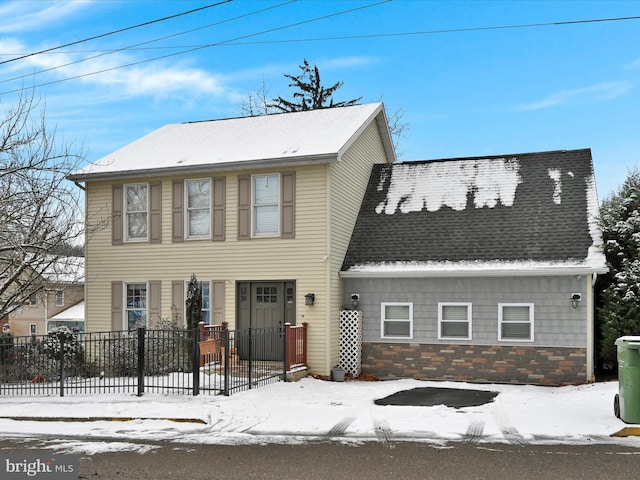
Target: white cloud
28	16
595	93
348	62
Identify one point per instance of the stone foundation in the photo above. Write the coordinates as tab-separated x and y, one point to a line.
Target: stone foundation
476	363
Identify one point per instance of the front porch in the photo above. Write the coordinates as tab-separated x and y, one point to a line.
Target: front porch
220	347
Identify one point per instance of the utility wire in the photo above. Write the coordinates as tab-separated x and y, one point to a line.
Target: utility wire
116	31
133	47
434	32
223	42
350	37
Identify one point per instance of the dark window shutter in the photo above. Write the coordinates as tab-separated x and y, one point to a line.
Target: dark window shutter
154	303
116	306
287	217
217	303
155	212
116	215
218	210
244	207
177	211
177	302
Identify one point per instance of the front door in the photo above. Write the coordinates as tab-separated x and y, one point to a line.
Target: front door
264	305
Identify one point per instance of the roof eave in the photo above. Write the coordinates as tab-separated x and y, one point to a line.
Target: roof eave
382	122
210	167
479	272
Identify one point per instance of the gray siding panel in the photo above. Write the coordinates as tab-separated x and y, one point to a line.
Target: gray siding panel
556	323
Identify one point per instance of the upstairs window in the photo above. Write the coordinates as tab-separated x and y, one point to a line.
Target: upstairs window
454	321
59	298
33	300
397	320
136	212
515	322
266	205
198	207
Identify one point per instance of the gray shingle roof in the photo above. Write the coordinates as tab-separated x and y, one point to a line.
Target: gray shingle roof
531	207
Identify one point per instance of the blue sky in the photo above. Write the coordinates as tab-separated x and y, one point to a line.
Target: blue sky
464	87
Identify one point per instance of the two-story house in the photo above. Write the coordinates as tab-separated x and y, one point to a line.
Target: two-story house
62	289
260	209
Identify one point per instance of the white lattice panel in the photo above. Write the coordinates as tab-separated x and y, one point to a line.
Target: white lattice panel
350	341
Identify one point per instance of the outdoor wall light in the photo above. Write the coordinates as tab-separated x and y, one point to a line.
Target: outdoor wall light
309	298
355	299
575	298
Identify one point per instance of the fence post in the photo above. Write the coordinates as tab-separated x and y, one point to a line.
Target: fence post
250	359
196	358
225	336
141	335
61	375
286	360
305	326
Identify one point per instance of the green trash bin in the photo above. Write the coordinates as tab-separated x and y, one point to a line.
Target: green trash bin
626	403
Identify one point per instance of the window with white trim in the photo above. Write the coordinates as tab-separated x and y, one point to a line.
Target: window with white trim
33	329
135	305
397	320
205	288
515	322
198	208
454	321
136	205
265	205
59	298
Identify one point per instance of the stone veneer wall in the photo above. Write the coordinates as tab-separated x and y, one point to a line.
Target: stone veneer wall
476	363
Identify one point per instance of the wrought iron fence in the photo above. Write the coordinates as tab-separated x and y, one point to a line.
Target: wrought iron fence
141	361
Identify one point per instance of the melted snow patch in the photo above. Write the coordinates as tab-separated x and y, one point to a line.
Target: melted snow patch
414	187
555	175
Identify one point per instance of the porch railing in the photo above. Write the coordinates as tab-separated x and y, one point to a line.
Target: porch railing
296	355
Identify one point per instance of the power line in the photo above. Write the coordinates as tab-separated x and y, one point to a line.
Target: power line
116	31
435	32
133	47
324	17
345	37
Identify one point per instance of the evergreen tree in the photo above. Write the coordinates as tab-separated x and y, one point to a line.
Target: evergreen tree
310	94
193	303
619	290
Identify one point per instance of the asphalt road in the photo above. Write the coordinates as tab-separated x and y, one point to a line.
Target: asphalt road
370	461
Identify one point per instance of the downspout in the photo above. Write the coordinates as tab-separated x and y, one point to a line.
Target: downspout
591	329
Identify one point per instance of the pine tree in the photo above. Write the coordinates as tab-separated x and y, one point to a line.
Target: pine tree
619	290
310	94
193	303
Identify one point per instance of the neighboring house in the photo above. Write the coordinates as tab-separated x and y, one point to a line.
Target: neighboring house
478	269
63	287
260	209
72	318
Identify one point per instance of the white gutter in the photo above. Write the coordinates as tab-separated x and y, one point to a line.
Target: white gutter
507	271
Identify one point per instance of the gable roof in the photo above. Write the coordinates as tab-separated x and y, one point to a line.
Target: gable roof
531	213
313	136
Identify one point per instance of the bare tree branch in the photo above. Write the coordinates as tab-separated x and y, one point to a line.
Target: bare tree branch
40	211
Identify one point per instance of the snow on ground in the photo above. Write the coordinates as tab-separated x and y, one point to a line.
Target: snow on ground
313	410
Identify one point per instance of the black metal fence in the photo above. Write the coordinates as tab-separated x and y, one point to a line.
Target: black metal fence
141	361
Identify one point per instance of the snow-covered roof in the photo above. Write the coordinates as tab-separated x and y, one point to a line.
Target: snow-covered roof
529	214
270	140
65	270
73	313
